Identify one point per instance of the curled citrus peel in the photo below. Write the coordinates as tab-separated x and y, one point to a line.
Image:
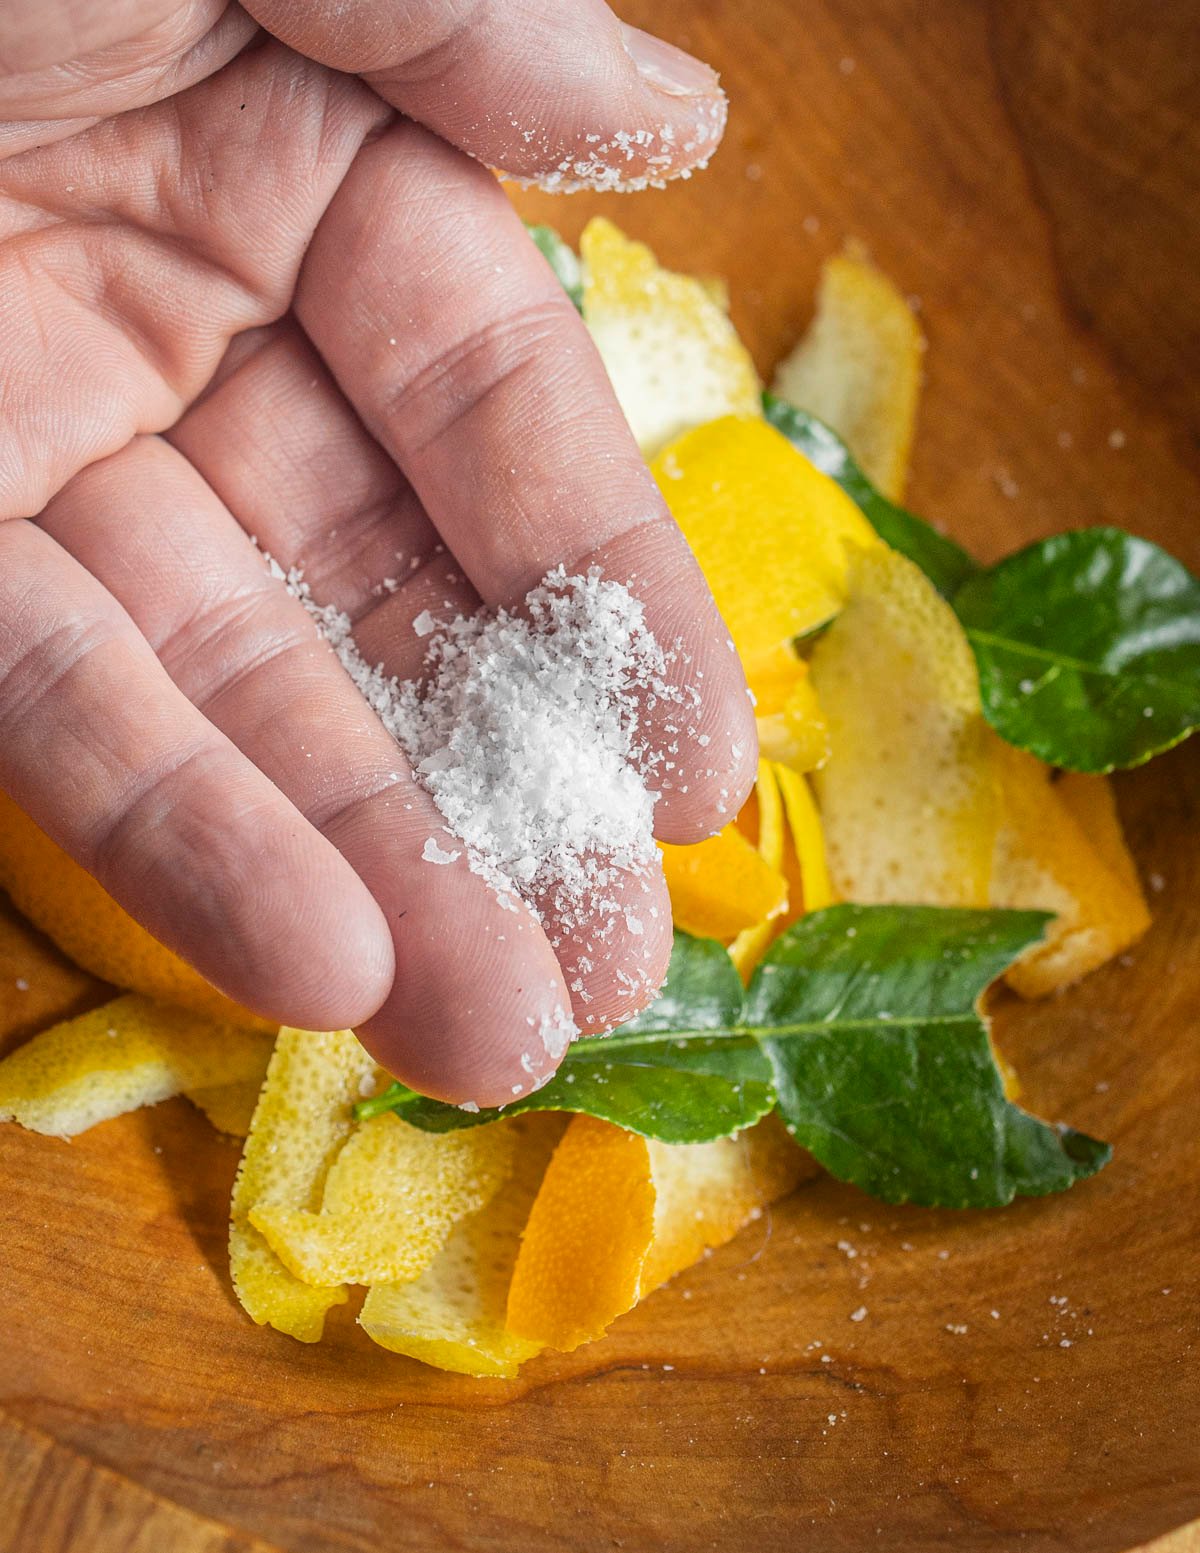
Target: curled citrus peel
1059	847
907	797
722	886
859	368
774	537
118	1057
618	1215
79	914
671	353
303	1117
390	1200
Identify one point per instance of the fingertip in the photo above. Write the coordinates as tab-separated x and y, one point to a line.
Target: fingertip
615	957
478	1013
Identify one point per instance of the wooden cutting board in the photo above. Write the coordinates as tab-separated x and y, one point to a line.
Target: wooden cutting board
1028	1378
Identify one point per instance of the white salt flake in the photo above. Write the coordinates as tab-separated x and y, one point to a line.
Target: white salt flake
432	853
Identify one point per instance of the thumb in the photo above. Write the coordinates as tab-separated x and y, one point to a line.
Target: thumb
557	92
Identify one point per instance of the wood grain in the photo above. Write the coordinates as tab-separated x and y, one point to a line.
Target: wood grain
998	161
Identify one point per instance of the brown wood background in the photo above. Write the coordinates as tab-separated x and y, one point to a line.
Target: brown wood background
1028	168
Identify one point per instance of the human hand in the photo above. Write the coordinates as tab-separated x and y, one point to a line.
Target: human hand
407	394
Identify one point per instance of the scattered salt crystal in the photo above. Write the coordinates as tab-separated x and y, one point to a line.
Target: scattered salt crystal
957	1327
424	624
469	1105
432	853
21	984
557	1030
860	1314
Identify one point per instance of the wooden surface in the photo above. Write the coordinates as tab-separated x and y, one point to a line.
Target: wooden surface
1029	171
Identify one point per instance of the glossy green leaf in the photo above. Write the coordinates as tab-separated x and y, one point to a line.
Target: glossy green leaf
676	1072
1088	646
882	1061
863	1023
561	258
946	564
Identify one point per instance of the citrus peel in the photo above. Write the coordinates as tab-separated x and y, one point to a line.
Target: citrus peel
670	351
303	1117
118	1057
78	913
751	944
721	886
858	368
773	536
618	1215
454	1315
1047	858
391	1198
907	797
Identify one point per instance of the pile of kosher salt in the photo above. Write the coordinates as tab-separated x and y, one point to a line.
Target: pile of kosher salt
525	730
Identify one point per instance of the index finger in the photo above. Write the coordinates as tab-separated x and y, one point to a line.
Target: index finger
467	362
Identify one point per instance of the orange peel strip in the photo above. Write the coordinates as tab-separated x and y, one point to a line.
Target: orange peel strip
721	886
618	1215
749	947
804	828
75	910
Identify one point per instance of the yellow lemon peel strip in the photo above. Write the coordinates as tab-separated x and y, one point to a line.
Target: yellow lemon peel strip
772	534
1090	802
392	1197
618	1215
804	828
454	1316
907	797
750	946
859	367
792	727
671	353
303	1117
230	1107
75	910
1045	859
721	886
126	1054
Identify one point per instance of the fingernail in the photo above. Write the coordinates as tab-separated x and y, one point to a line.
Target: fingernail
667	68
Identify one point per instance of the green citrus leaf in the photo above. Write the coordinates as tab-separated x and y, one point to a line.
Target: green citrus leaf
1088	646
675	1073
883	1064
